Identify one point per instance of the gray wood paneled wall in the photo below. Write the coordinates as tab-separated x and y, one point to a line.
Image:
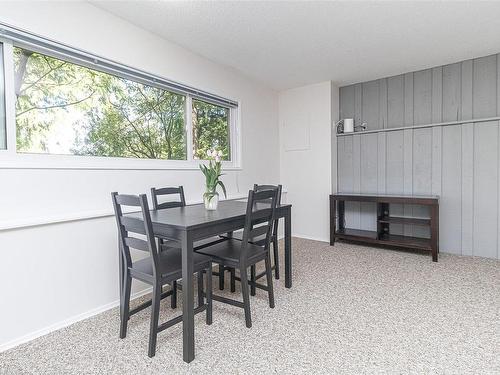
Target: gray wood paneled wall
459	162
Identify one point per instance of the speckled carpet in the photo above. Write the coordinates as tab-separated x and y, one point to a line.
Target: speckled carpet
352	309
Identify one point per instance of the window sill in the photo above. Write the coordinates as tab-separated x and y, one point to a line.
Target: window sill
42	161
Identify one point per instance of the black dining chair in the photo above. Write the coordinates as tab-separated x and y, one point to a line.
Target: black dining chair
178	201
158	269
240	255
260	241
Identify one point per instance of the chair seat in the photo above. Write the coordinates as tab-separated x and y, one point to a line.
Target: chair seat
197	245
170	265
228	252
260	240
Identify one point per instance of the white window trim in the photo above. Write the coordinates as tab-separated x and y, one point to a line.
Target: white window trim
11	159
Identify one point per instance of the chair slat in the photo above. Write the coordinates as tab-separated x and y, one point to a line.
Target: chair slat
136	243
128	200
165	205
131	224
167	191
259	231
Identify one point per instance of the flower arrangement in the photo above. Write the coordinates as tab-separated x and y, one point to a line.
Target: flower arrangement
213	172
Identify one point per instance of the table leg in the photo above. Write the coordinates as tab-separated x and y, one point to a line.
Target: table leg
288	248
435	232
187	297
333	224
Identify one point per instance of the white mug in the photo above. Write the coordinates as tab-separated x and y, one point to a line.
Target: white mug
348	125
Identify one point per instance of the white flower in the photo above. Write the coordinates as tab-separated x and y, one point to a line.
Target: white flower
219	153
209	153
217	158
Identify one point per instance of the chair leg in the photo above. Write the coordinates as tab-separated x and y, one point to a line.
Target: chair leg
209	294
233	280
269	277
253	280
173	301
155	312
221	277
200	289
125	305
246	296
276	260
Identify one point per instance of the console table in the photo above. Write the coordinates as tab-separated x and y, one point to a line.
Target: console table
383	236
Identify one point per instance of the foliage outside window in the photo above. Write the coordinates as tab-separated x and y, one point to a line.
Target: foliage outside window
65	108
210	129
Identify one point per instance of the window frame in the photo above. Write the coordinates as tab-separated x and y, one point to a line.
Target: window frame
11	159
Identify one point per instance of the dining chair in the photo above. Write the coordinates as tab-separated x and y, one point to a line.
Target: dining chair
260	241
158	269
179	200
240	255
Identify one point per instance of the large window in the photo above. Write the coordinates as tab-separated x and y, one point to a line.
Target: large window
3	138
71	103
64	108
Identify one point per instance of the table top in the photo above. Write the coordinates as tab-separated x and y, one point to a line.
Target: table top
196	215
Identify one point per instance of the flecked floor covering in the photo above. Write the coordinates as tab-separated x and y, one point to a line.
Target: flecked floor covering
352	309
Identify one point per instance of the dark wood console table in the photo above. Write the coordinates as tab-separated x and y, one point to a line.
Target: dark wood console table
383	236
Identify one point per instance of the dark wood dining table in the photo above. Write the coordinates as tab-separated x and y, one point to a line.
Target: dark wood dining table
193	223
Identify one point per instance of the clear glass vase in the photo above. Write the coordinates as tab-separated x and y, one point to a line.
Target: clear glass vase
211	200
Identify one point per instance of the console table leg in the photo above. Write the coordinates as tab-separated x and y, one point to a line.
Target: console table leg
333	223
434	232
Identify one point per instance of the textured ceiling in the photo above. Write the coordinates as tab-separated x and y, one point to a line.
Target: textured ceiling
289	44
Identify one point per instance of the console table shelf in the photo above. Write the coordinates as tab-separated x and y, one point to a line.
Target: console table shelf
383	235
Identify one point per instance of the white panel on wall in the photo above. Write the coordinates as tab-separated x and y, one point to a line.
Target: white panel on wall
395	102
452	89
484	87
395	173
422	174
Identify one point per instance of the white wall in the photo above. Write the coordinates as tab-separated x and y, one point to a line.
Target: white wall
305	117
53	274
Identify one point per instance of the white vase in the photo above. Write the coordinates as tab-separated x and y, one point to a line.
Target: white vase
211	200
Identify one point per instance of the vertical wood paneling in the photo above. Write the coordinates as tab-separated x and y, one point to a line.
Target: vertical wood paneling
422	174
451	201
460	163
408	175
408	99
467	199
422	97
467	90
356	162
452	91
484	87
358	104
346	105
369	176
395	172
382	122
437	94
371	105
395	102
486	189
381	162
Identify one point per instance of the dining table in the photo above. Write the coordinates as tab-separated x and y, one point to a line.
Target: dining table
192	223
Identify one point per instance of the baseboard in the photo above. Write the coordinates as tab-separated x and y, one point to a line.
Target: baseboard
67	322
306	237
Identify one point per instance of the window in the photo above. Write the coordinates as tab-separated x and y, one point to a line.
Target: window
211	129
3	138
64	108
83	110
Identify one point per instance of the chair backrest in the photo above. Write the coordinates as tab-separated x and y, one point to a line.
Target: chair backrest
260	212
155	193
128	226
278	189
